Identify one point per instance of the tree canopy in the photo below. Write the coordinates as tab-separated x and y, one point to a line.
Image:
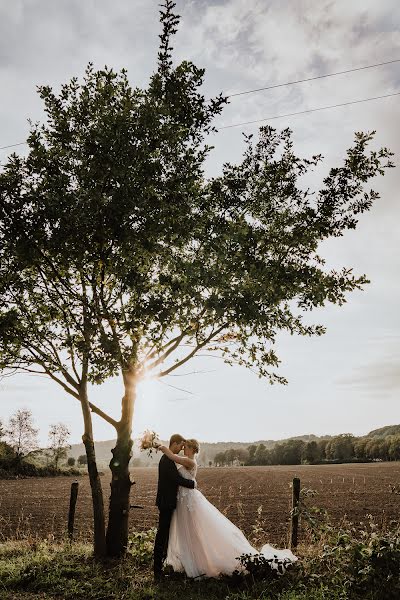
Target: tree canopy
116	249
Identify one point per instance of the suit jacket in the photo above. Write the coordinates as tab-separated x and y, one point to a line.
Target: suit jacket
169	480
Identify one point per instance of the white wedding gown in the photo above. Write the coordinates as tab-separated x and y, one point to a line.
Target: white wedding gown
203	542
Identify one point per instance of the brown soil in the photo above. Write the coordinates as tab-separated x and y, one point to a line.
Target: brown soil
39	507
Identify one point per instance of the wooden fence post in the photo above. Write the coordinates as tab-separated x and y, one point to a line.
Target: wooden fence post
72	505
295	512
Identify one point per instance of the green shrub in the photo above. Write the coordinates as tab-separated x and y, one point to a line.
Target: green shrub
10	468
345	564
6	451
141	544
366	563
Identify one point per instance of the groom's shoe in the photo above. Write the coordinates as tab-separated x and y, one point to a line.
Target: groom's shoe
159	577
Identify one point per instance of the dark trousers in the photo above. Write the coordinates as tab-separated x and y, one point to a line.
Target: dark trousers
162	536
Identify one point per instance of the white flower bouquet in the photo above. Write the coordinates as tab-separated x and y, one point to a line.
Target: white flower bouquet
149	441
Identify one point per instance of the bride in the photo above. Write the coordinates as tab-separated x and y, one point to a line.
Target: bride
202	541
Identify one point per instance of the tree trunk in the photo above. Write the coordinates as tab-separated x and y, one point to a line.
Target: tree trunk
95	484
118	519
97	499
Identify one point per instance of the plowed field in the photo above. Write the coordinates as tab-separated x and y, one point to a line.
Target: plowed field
39	507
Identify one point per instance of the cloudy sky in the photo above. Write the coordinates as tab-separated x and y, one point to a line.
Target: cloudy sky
346	381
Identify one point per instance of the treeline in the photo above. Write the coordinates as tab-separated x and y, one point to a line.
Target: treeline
341	448
20	454
231	457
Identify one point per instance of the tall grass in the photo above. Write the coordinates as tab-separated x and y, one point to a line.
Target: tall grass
341	563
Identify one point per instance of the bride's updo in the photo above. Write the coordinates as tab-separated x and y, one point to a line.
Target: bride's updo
193	444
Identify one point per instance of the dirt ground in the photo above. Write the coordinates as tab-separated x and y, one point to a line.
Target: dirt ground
39	507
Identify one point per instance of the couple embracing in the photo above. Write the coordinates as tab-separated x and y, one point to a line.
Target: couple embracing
193	536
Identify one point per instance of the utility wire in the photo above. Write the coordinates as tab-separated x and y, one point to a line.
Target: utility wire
388	62
310	110
12	145
271	87
301	112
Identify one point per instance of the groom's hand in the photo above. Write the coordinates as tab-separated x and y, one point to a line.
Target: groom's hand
195	484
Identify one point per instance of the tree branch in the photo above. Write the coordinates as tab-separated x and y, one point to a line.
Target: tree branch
62	299
59	306
103	415
51	375
191	354
62	369
161	358
152	353
107	314
70	391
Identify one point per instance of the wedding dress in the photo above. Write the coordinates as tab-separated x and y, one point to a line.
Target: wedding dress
203	542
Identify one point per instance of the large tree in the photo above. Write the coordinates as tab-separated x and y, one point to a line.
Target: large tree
58	442
22	433
120	258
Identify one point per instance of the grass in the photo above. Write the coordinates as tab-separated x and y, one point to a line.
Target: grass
43	570
335	564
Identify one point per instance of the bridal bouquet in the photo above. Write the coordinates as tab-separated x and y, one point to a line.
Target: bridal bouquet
149	441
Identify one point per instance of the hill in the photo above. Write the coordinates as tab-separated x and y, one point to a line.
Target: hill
384	431
209	449
207	452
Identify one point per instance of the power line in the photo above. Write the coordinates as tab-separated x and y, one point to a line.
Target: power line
271	87
12	145
282	85
310	110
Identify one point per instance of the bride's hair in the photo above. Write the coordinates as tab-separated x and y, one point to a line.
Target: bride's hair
193	444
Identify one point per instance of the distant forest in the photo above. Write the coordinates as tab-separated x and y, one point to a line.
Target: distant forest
381	444
341	448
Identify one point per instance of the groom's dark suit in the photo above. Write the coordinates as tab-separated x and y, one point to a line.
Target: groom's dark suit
169	480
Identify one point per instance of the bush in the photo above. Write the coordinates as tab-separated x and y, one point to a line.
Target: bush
344	565
6	451
82	460
10	468
141	544
260	567
365	563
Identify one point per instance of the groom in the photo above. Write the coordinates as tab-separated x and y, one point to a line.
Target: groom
169	480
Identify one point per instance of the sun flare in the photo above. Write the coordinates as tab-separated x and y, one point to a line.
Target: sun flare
148	389
147	405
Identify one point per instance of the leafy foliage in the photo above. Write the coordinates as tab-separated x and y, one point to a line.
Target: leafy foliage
231	456
365	563
384	431
12	469
344	564
141	546
6	451
260	567
338	449
117	252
